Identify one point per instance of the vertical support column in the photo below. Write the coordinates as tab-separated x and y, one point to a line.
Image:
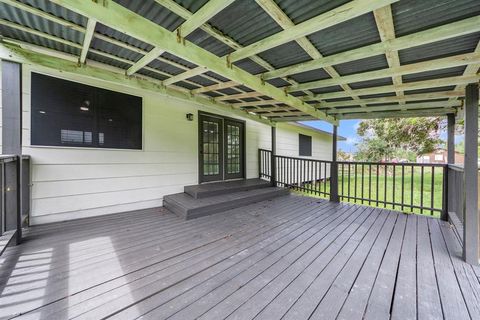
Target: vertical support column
12	136
451	139
334	169
273	167
471	227
450	160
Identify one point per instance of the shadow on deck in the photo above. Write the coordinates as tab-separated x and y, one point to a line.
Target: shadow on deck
292	257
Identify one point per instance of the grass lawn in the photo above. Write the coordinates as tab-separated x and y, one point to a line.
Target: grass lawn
373	188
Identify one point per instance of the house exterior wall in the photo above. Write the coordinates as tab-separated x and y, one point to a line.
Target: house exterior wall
440	156
71	183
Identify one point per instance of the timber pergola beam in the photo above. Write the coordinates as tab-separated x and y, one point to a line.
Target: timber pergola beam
208	10
447	31
416	85
408	106
395	114
410	97
114	16
430	65
333	17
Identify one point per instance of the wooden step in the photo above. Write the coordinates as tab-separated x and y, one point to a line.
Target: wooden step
5	239
188	207
224	187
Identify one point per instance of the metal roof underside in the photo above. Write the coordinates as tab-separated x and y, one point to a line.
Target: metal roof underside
352	88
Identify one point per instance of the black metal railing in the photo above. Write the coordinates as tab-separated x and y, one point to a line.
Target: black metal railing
14	194
409	187
306	175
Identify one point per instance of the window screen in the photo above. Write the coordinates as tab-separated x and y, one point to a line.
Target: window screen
66	113
305	145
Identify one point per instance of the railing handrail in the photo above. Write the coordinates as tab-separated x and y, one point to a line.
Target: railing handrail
295	158
456	167
7	157
417	164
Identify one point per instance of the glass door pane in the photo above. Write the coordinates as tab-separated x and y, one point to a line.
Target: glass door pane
211	155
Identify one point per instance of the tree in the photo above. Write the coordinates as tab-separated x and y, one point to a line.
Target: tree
383	139
343	156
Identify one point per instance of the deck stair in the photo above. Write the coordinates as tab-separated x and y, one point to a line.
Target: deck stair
206	199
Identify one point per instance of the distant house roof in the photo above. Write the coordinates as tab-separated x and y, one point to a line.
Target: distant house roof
339	138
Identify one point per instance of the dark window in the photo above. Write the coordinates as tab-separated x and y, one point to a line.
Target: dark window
305	145
66	113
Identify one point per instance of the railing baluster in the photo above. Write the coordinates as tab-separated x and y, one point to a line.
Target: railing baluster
421	189
363	172
432	191
411	188
325	180
377	184
355	184
385	187
369	184
403	185
393	186
348	183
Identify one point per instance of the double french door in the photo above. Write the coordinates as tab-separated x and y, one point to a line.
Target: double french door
221	146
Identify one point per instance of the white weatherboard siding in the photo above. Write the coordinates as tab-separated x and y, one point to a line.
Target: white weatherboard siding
70	183
287	142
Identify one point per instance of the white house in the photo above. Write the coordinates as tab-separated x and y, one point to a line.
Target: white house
75	176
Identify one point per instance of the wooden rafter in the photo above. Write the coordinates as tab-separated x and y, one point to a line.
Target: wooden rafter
210	9
255	103
447	31
185	75
143	61
214	87
386	29
252	94
87	39
338	15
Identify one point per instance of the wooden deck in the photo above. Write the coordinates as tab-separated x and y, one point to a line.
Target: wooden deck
292	258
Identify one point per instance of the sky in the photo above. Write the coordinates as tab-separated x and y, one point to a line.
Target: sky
348	130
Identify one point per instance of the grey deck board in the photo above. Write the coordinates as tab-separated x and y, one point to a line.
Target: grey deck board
380	300
428	297
232	302
291	257
447	281
240	274
404	304
354	304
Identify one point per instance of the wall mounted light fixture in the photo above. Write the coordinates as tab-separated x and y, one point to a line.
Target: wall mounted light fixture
189	116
